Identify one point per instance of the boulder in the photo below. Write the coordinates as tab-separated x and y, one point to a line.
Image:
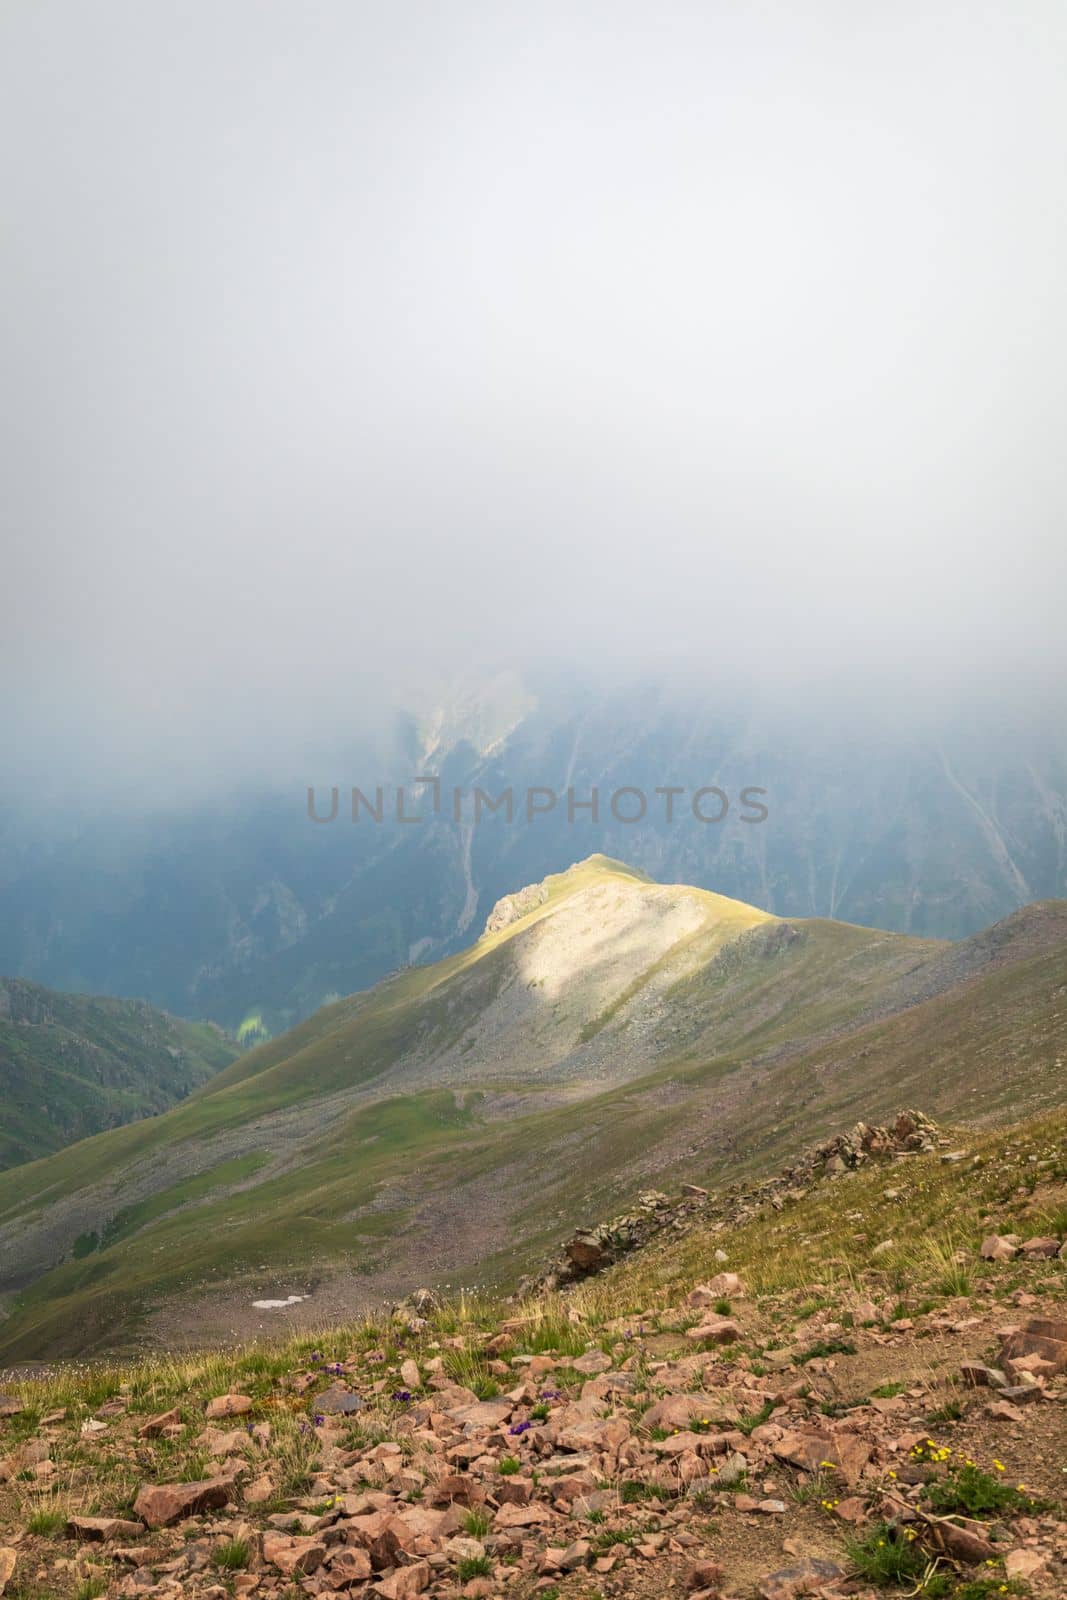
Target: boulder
160	1505
810	1576
291	1555
998	1248
227	1405
1042	1336
337	1401
157	1425
715	1330
810	1448
100	1529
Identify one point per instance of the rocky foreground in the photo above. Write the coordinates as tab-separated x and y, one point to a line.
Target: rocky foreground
868	1417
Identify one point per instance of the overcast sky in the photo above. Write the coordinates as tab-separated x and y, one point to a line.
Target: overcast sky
344	343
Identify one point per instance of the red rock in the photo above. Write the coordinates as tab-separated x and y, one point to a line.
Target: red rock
513	1516
161	1505
998	1248
724	1285
100	1529
1003	1411
1041	1247
715	1330
809	1448
852	1510
291	1554
809	1576
592	1362
457	1487
1023	1564
964	1545
227	1405
704	1575
679	1410
403	1583
1042	1336
156	1425
515	1491
349	1565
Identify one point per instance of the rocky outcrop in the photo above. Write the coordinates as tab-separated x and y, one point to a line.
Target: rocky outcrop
511	907
591	1250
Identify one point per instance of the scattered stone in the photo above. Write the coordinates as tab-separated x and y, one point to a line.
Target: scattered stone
337	1401
1042	1336
977	1376
704	1575
227	1405
810	1448
1003	1411
157	1425
292	1555
100	1529
1042	1248
715	1330
808	1577
963	1544
1024	1564
161	1505
998	1248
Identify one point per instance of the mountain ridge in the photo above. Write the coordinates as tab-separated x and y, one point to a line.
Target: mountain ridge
623	1030
74	1065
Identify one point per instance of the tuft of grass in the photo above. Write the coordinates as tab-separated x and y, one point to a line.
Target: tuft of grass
473	1567
46	1521
91	1588
825	1347
886	1555
507	1466
951	1411
477	1523
754	1419
231	1555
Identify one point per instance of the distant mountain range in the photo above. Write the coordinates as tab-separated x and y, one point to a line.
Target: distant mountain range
72	1065
605	1033
240	905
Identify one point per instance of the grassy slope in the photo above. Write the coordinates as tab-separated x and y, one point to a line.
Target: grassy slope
737	1090
71	1065
807	1270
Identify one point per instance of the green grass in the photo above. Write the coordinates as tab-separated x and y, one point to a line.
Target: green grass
473	1567
886	1555
46	1521
95	1062
741	999
973	1492
231	1555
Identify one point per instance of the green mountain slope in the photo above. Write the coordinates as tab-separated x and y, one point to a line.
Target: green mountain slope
454	1120
71	1065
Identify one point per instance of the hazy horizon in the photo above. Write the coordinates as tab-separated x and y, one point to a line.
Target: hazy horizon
346	350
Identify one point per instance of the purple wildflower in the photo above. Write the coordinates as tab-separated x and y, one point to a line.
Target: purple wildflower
520	1427
403	1396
